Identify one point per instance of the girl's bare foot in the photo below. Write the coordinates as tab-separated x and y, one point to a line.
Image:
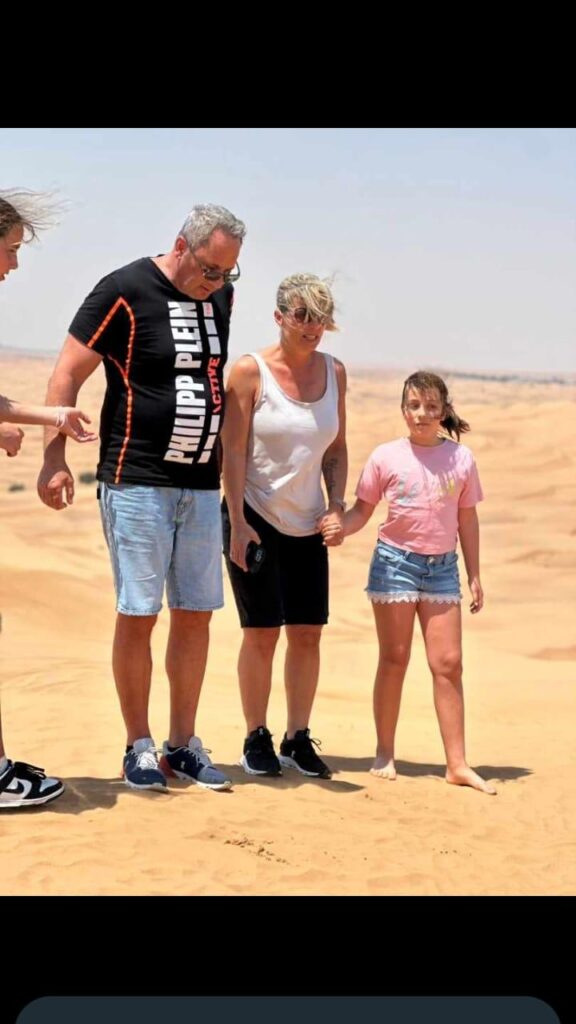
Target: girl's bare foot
466	776
384	768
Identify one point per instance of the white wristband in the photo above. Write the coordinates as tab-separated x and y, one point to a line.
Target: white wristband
60	417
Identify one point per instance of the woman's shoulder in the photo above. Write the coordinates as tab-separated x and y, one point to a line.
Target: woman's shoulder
246	370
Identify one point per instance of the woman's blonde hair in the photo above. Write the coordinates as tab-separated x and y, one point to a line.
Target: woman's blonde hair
310	291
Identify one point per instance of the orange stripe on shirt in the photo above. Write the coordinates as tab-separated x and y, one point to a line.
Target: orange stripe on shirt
119	302
124	372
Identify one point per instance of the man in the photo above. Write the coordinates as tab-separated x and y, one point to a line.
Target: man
161	328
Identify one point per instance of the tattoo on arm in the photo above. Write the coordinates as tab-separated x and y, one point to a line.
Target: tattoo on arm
329	470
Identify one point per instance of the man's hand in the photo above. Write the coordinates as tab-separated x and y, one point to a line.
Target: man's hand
55	485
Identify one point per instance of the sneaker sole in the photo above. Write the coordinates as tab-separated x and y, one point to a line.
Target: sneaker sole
254	771
172	773
289	762
161	786
37	802
152	785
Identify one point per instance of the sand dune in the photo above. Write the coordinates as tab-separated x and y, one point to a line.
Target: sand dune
355	834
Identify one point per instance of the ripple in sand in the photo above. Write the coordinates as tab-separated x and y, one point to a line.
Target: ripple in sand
556	654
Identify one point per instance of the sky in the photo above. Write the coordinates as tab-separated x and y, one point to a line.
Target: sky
449	248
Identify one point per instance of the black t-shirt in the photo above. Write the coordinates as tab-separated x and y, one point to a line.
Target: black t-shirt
164	356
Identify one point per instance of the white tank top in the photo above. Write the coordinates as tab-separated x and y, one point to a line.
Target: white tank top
286	445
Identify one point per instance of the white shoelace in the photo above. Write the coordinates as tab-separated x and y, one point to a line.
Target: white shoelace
203	755
147	758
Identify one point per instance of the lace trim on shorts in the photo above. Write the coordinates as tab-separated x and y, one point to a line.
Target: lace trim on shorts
412	597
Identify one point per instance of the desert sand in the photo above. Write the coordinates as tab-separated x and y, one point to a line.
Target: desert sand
354	834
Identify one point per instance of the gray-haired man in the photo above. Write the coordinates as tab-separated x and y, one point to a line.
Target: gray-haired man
160	325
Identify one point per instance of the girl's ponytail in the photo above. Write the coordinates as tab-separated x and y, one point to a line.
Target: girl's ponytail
452	423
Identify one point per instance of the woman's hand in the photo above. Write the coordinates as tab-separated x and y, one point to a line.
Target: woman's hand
331	526
240	536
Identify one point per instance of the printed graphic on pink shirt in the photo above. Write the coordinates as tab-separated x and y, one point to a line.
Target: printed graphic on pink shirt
424	488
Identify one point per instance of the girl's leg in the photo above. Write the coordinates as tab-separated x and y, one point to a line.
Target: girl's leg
442	631
301	671
394	627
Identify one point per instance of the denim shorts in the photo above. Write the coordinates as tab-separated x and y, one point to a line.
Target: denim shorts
396	575
163	536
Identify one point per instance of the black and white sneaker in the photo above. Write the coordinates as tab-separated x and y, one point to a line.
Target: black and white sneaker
259	757
24	785
299	753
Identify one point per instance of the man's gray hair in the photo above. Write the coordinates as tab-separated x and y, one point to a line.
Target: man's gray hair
202	221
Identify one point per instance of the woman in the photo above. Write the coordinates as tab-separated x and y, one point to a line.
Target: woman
22	215
284	431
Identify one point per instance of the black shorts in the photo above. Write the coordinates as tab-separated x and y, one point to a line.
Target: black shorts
290	588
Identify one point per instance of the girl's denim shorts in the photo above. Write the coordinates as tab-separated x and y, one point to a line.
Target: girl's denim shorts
396	575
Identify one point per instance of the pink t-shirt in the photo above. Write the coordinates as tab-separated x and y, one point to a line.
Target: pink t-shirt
424	488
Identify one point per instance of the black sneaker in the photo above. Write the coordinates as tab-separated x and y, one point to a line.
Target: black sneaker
24	785
259	757
299	753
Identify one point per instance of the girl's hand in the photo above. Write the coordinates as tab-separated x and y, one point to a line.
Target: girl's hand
477	595
69	422
330	525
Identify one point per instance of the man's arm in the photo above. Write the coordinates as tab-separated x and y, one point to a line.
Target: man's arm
240	395
74	366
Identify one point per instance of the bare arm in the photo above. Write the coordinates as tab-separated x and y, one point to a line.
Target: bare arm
335	460
352	521
335	469
66	419
469	533
74	366
241	391
357	517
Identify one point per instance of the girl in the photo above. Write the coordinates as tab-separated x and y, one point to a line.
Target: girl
432	487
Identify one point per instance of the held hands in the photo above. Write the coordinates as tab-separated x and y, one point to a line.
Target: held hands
477	593
69	422
11	438
331	526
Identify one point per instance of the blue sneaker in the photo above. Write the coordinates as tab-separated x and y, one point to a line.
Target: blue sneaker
140	767
192	763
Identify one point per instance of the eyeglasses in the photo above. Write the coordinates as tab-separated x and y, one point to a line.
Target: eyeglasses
303	316
213	274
